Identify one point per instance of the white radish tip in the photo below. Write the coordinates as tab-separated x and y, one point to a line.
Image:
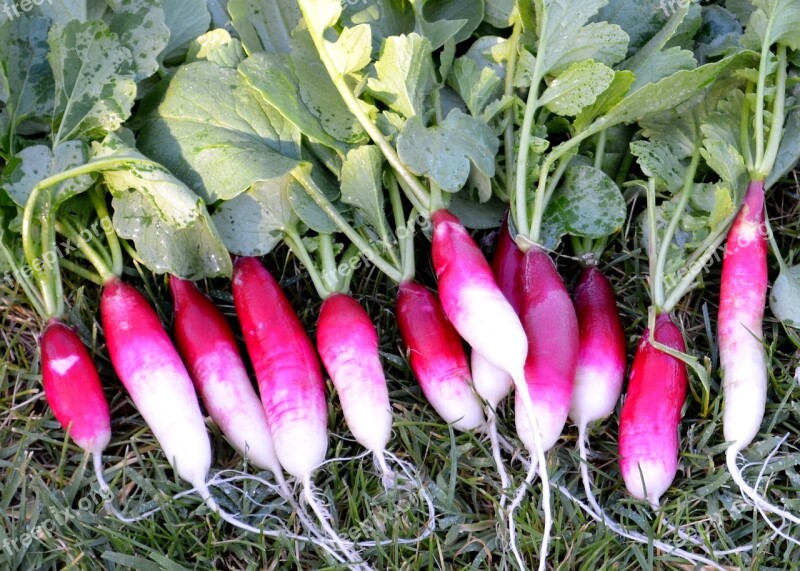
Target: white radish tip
648	480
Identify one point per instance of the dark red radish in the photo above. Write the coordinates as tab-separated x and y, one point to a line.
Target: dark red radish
208	347
73	389
648	426
551	326
600	370
437	357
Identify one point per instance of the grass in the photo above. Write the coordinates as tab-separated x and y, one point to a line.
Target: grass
44	479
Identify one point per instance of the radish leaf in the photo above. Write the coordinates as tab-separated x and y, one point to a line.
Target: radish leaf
444	152
94	80
784	299
319	93
33	164
140	27
216	135
351	52
216	46
27	75
578	86
264	25
252	223
186	19
385	18
167	222
566	38
273	77
589	204
403	74
362	185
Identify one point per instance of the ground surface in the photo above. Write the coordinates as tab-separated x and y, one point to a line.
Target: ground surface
46	484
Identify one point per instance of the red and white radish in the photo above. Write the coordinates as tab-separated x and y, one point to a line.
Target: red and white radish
437	357
289	378
348	346
743	295
600	369
552	331
486	320
286	368
208	348
492	383
648	426
155	377
72	388
601	364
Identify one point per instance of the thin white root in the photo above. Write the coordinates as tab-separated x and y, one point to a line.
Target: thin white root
491	431
527	403
763	505
603	518
203	491
512	528
324	517
108	502
616	527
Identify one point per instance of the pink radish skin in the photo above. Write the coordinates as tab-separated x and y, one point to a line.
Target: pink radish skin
648	426
437	357
208	347
486	320
471	299
156	379
601	355
491	383
743	294
348	346
72	388
286	367
552	331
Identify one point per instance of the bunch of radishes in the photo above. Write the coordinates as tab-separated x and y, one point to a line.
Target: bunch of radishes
408	135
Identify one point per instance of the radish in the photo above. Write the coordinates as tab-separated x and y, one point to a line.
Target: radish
208	347
601	355
437	357
762	120
289	377
552	331
286	367
348	346
154	375
491	383
486	320
72	388
601	359
743	294
75	395
648	426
